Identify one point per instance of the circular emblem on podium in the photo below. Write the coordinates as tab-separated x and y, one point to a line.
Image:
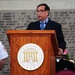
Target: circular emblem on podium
30	56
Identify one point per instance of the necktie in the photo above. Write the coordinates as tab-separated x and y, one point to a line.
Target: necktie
42	25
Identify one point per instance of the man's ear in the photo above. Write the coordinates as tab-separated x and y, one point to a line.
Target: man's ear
48	13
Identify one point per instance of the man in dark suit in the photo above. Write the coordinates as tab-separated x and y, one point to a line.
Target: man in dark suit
43	11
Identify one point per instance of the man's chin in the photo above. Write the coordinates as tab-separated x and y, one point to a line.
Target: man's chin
40	19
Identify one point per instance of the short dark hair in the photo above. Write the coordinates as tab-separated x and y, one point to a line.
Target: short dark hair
47	8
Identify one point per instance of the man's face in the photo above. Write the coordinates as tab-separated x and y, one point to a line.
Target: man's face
42	14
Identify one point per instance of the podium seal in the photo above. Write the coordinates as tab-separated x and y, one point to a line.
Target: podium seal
30	56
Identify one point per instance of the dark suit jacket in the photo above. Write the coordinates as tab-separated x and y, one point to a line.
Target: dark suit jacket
51	25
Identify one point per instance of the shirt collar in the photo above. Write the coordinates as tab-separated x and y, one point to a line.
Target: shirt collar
46	21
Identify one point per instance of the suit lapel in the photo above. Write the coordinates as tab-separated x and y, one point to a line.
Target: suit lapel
37	25
48	27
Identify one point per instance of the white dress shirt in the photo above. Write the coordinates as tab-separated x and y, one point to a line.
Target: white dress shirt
3	52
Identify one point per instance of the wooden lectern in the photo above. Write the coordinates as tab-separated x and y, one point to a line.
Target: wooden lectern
46	39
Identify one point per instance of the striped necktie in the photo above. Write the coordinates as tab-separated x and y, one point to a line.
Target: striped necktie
42	25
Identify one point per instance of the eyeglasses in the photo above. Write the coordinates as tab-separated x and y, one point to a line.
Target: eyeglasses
39	11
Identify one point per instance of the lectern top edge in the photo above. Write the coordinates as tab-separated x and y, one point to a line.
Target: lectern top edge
30	31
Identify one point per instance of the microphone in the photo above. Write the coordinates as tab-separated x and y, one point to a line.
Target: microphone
20	27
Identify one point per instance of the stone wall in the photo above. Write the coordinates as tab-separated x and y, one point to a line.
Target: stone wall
19	20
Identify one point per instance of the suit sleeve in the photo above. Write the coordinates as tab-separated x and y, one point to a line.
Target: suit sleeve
30	26
60	37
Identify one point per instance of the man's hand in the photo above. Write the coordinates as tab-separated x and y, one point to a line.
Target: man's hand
60	52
